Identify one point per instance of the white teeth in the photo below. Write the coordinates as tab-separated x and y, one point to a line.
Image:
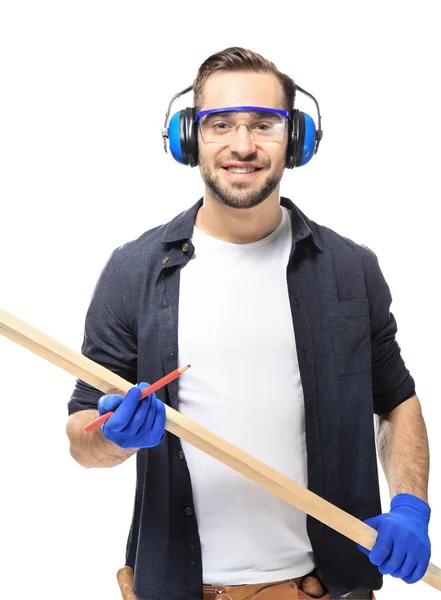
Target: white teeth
241	169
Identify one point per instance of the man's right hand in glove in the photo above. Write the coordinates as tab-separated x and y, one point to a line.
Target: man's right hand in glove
135	423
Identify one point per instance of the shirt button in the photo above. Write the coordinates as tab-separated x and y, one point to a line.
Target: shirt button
181	455
188	511
185	247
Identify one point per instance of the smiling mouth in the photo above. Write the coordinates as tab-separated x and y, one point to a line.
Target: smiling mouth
242	170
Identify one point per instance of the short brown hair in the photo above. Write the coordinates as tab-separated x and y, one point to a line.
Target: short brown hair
240	59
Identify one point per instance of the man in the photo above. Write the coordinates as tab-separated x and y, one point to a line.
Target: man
287	328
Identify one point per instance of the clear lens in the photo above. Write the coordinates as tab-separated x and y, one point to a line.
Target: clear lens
221	128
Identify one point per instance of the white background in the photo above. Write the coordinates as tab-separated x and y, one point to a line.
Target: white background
85	87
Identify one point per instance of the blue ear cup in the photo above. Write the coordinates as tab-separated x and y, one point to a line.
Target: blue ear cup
310	140
174	137
183	137
302	137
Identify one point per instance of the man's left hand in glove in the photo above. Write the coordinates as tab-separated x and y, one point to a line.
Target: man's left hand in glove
402	548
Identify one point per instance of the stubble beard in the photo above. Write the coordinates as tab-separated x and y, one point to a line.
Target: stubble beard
240	194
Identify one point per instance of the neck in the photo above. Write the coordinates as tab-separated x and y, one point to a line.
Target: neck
240	226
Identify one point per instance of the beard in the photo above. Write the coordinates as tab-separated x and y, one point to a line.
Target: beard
239	194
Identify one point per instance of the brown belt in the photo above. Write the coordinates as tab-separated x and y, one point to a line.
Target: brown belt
289	589
308	587
125	580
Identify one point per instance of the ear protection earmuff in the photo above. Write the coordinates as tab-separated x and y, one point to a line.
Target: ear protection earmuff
182	133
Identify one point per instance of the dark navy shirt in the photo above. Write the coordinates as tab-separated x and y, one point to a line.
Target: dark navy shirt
350	367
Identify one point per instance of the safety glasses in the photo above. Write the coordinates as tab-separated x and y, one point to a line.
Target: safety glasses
220	125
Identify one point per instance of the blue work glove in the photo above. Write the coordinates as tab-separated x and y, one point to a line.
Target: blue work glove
402	548
134	423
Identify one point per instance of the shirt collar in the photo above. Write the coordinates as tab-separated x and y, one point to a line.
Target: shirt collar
181	227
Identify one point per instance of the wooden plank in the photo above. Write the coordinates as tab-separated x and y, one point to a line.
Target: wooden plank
108	382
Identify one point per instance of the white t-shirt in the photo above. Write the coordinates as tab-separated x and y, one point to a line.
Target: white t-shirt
236	330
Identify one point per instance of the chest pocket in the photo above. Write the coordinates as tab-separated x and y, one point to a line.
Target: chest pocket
350	333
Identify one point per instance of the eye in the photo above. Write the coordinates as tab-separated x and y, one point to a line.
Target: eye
264	126
220	126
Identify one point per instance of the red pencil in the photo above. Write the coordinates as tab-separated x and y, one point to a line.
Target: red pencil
152	388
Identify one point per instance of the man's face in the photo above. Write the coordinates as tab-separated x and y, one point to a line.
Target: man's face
242	190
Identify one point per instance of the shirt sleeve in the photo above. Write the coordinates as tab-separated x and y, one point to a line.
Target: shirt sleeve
109	333
392	382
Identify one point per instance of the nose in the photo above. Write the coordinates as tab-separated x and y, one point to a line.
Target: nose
242	141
